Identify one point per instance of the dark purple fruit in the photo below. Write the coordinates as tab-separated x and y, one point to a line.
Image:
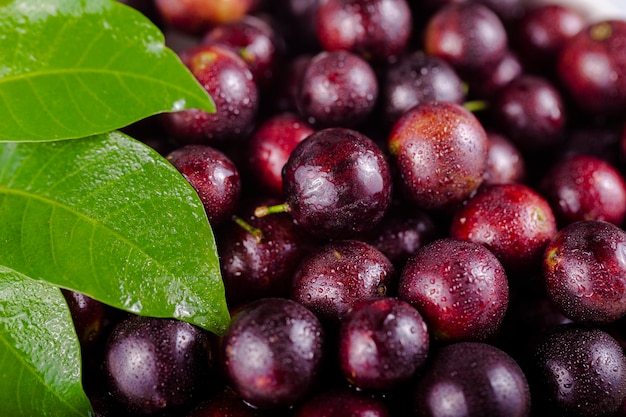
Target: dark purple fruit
258	258
88	315
337	183
383	342
580	372
468	35
531	113
155	365
213	175
418	78
377	30
585	187
460	288
272	352
339	274
505	162
542	33
229	81
337	89
472	379
226	403
342	403
512	220
584	268
440	152
401	233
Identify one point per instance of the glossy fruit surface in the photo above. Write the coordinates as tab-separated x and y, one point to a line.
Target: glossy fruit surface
155	365
375	29
581	372
584	187
383	342
602	90
270	146
229	81
469	36
459	286
338	275
472	379
340	403
337	182
440	152
585	271
512	220
213	175
417	78
273	352
337	88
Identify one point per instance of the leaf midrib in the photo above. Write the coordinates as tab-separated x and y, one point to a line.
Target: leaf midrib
69	209
77	72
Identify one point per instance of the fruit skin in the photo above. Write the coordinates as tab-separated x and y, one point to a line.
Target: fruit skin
469	36
440	152
375	29
585	187
256	41
342	402
229	81
255	266
505	162
337	88
584	269
213	175
153	365
269	148
460	288
331	279
417	78
580	371
530	112
512	220
196	16
472	379
337	183
273	352
603	90
383	342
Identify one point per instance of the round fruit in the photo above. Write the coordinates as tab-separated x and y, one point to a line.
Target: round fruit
440	152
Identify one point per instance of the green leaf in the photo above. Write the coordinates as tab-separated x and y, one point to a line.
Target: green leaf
40	364
109	217
74	68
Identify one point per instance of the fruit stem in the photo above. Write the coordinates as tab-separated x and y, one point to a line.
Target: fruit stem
265	210
257	233
475	105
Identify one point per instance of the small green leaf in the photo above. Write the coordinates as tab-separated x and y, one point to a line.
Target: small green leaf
40	364
109	217
74	68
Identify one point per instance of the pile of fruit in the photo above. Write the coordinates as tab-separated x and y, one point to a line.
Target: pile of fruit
418	209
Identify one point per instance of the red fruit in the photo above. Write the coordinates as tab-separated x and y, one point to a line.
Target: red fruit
584	268
512	220
440	152
584	187
460	287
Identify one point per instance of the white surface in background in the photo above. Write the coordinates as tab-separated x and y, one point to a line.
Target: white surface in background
594	10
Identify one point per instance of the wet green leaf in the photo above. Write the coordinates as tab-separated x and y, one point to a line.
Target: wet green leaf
109	217
40	366
73	68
